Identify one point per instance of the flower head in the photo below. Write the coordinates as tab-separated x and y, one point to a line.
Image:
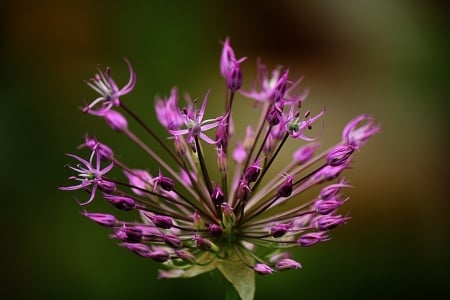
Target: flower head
110	93
198	214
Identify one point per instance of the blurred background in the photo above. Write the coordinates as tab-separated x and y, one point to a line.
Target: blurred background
387	58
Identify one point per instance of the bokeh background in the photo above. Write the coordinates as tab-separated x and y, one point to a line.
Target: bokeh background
387	58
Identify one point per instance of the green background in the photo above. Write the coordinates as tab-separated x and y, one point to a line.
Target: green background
387	58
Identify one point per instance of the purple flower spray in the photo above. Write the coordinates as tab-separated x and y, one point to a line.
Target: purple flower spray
199	214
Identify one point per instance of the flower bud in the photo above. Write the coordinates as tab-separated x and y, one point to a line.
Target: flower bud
228	216
274	115
280	88
278	230
106	186
305	153
164	182
159	255
139	249
311	238
330	222
325	207
204	244
161	221
121	202
287	264
356	134
185	255
252	172
129	234
172	241
215	230
104	151
262	269
234	76
339	155
115	120
285	189
106	220
330	191
222	161
217	196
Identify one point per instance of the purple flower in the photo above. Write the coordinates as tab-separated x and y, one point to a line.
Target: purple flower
109	92
90	176
195	126
231	203
167	111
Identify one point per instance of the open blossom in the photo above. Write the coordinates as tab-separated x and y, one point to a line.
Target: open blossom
200	213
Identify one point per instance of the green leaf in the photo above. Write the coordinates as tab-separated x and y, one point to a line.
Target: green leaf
238	274
207	261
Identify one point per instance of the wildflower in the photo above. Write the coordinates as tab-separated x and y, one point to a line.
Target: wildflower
195	126
109	92
90	175
198	214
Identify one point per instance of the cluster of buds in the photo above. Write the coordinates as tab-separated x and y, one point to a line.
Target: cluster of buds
199	214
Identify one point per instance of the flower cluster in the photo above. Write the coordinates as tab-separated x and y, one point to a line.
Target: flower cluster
199	214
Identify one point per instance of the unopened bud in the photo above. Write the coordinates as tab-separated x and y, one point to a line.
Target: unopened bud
228	216
287	264
121	202
115	120
279	230
106	220
285	189
262	269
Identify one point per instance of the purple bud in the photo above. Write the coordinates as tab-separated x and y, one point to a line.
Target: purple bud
204	244
228	216
164	182
312	238
121	202
274	115
161	221
222	161
104	151
115	120
325	207
339	155
280	87
262	269
185	255
140	249
332	190
106	186
287	264
106	220
159	255
278	230
215	230
234	76
226	58
217	196
285	189
305	153
356	134
172	241
252	172
244	191
330	172
129	234
329	222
